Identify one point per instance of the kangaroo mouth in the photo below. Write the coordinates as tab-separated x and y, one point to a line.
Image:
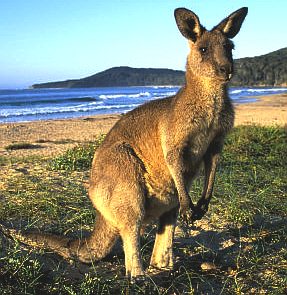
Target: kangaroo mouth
229	76
226	77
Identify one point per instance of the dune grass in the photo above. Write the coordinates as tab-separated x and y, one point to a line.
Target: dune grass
78	158
240	247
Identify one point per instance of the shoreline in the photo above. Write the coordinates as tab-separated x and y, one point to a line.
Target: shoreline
53	137
268	110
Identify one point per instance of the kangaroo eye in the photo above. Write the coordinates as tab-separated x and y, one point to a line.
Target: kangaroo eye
203	49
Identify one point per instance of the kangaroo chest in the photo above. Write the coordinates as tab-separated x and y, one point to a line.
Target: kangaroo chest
195	150
207	132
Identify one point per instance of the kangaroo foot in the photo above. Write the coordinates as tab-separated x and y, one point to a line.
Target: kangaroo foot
198	212
135	274
161	263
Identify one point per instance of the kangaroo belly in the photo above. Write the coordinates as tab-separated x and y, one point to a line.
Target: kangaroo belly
156	205
161	195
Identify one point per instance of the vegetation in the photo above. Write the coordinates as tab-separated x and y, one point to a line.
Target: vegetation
240	247
122	76
78	158
265	70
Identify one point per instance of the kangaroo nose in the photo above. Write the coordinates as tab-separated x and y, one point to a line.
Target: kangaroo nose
226	70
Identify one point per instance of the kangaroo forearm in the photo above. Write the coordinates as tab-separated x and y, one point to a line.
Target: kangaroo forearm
210	172
183	196
176	168
184	199
210	164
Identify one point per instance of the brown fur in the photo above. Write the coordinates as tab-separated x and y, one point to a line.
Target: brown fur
143	170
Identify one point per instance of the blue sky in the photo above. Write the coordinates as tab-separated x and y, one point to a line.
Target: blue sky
50	40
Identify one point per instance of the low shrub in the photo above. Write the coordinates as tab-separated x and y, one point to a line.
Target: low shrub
78	158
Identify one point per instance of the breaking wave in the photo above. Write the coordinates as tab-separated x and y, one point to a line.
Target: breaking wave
44	104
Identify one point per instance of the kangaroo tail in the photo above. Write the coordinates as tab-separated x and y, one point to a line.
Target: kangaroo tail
39	240
92	248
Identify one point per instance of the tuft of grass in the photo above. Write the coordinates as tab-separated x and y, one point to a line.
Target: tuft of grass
243	236
78	158
3	161
21	146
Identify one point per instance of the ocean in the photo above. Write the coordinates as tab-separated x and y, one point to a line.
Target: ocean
26	105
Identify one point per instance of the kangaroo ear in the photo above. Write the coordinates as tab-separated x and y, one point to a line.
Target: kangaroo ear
231	25
188	23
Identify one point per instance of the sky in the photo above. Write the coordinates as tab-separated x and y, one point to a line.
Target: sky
52	40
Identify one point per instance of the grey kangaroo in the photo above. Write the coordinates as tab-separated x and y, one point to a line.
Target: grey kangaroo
143	170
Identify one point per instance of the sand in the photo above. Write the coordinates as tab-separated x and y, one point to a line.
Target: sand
267	111
54	137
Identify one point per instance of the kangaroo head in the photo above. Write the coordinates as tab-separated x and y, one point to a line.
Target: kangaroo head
210	51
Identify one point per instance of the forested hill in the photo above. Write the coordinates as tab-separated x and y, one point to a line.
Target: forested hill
264	70
122	76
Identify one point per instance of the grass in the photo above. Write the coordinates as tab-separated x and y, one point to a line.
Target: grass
78	158
242	238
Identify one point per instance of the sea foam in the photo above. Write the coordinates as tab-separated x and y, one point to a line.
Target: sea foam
43	104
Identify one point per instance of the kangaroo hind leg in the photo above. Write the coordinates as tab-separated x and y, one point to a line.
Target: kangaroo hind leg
127	206
162	255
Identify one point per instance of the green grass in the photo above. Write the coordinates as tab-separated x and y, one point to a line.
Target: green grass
252	174
243	235
78	158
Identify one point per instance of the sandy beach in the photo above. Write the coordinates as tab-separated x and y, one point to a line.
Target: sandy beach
55	136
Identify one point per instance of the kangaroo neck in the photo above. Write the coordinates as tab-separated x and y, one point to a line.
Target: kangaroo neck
200	90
